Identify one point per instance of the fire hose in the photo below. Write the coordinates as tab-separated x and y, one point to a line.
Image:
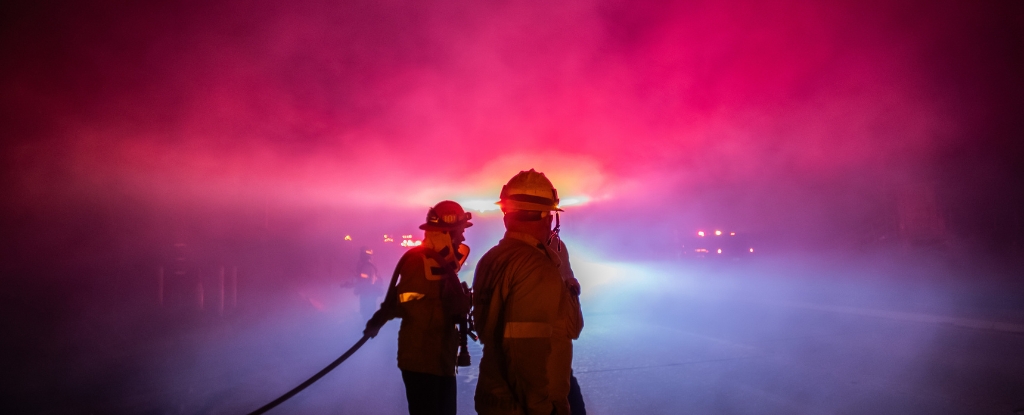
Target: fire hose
390	300
466	329
310	381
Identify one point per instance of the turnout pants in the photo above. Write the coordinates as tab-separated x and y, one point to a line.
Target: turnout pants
576	405
429	394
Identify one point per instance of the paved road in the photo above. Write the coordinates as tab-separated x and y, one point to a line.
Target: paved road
773	360
659	339
756	344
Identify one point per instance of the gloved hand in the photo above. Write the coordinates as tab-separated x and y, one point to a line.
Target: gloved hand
372	328
375	323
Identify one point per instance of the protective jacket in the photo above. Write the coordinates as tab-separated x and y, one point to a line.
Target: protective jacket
560	251
428	339
526	318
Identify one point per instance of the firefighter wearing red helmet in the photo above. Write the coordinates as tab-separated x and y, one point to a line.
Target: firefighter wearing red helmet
526	314
426	294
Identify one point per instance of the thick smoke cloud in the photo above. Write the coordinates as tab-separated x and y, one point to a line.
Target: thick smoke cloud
370	103
248	138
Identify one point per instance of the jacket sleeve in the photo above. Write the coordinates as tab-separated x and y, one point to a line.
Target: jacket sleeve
416	296
564	267
531	312
575	321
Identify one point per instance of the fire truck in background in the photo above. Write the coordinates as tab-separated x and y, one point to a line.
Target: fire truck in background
386	248
713	243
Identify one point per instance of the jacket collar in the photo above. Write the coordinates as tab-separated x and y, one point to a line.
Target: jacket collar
529	240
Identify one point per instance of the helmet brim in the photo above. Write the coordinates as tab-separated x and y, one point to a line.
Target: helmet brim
508	205
430	227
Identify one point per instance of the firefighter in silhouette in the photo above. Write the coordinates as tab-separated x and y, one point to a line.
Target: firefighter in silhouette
367	284
526	315
426	294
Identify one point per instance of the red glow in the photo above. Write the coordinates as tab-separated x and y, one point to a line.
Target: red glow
276	138
714	109
586	115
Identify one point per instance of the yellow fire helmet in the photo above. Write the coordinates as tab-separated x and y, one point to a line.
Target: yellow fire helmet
529	190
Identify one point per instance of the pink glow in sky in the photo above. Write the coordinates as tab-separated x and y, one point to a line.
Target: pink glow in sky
137	136
394	103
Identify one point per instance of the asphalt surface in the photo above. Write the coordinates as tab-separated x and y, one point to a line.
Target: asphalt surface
659	339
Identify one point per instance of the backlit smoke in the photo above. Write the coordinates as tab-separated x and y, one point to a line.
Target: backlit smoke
320	103
277	137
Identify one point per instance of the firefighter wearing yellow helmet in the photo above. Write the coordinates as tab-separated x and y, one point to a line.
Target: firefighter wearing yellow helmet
526	315
426	294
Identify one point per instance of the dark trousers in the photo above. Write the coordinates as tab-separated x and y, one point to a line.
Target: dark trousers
576	405
429	394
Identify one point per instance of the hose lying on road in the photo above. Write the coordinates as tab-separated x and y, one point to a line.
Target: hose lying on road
310	381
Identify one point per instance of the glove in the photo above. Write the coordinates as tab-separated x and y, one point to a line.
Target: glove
372	328
375	323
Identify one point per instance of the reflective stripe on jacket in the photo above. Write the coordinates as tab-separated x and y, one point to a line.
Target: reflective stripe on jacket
428	342
526	319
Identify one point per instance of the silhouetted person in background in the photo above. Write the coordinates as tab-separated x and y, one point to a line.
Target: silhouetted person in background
426	294
367	285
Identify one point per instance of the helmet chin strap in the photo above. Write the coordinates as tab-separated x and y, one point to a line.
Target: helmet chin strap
553	237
